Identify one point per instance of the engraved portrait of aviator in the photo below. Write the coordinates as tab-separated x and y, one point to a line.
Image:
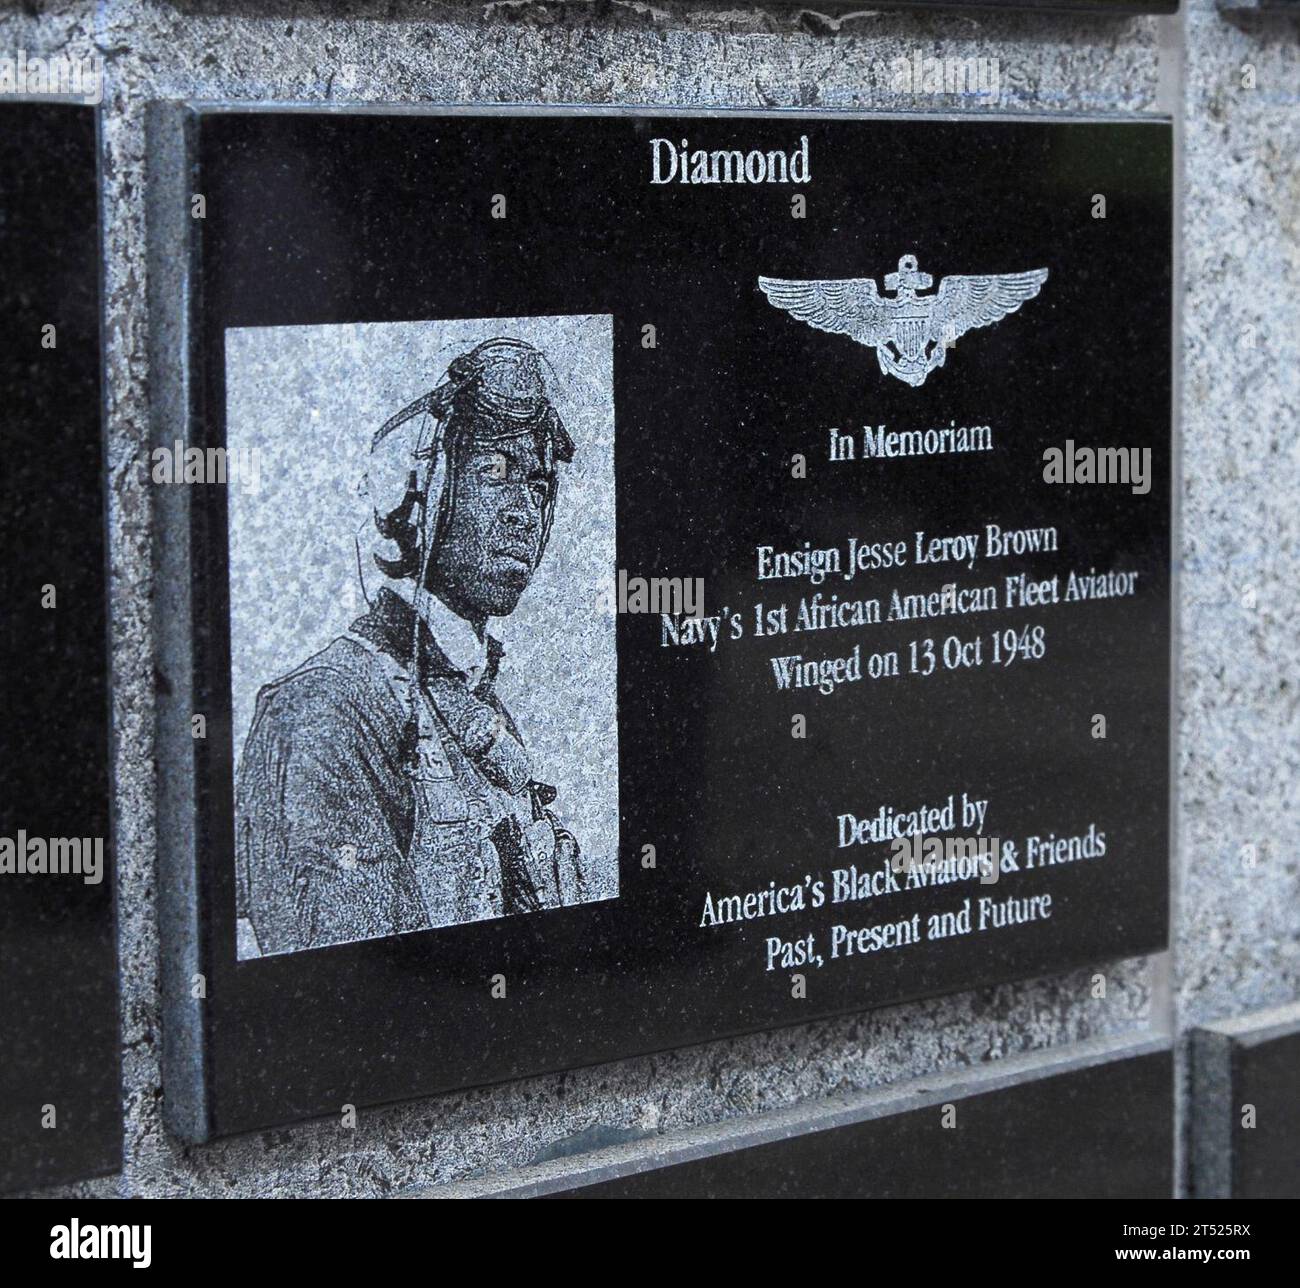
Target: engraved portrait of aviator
383	785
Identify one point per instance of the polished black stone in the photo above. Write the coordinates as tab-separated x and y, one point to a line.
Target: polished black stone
344	218
1246	1111
58	973
1101	1130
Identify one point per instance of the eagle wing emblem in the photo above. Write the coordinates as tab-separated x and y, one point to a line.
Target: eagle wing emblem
847	306
910	332
967	302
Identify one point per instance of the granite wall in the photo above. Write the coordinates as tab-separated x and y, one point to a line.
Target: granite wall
1237	910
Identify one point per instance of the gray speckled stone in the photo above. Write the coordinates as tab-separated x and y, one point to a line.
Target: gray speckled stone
1240	943
1236	943
1237	938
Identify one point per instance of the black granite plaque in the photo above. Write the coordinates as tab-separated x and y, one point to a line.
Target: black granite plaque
775	512
1246	1109
1085	1128
59	1087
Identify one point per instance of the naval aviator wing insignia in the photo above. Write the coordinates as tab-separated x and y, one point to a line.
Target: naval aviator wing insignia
910	333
